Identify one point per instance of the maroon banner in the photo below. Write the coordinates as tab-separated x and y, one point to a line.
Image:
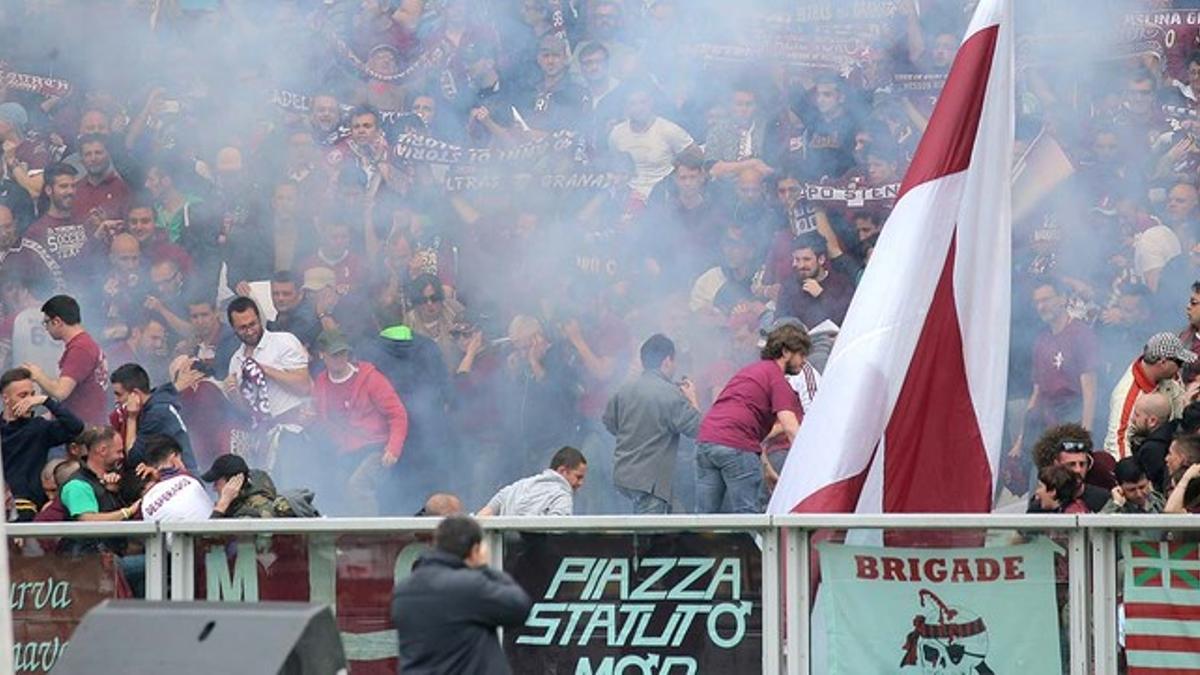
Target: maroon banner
48	596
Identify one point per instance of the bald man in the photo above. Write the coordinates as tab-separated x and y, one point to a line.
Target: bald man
123	291
442	505
125	255
1151	431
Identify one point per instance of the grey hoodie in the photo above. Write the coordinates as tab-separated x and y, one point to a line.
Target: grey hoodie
546	494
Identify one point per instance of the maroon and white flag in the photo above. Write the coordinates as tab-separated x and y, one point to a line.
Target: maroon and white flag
911	406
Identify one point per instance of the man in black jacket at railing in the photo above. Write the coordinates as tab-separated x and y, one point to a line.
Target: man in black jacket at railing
447	611
28	437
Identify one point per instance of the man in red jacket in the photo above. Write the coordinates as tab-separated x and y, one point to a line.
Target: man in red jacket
364	420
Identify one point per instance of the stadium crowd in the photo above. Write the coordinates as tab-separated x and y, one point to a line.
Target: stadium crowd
339	256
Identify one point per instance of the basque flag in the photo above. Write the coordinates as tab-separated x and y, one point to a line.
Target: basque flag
909	415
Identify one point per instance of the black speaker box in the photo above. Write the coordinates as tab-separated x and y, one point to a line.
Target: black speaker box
185	638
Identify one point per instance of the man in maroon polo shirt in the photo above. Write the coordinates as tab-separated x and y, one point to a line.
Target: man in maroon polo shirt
57	232
83	372
1063	367
728	463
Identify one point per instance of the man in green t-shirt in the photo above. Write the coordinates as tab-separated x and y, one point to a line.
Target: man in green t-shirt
90	495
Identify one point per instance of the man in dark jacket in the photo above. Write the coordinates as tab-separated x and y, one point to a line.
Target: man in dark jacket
1150	436
447	611
28	437
143	412
413	365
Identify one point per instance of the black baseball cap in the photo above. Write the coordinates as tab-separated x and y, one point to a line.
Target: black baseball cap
225	466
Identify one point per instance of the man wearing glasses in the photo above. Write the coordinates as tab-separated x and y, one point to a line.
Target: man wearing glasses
82	380
1157	369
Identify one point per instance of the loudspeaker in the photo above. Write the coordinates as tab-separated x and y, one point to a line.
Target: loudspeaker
182	638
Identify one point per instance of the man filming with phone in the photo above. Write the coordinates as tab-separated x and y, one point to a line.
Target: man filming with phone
27	437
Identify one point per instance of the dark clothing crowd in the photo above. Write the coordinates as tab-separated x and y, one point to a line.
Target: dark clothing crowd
381	249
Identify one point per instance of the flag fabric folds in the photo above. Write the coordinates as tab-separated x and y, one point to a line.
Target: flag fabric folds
910	412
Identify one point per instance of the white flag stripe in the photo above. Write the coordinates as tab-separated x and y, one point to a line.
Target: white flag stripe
1162	659
982	266
875	346
1164	627
875	351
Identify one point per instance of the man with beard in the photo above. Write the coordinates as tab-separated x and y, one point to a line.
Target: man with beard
146	345
1063	368
268	379
1150	432
815	293
746	411
102	193
57	231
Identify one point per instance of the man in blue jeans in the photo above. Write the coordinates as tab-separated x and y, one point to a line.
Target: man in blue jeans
746	412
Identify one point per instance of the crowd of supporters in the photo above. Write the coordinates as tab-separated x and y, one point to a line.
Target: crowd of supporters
382	249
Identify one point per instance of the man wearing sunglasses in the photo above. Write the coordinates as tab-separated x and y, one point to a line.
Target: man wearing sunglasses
1070	447
1157	369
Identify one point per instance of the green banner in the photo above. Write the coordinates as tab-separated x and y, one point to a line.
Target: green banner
974	611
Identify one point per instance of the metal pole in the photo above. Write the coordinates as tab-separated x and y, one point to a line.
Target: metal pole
156	577
796	581
1077	593
771	597
183	563
1104	601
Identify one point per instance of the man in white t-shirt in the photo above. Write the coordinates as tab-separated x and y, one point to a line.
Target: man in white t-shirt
268	379
652	142
269	373
176	495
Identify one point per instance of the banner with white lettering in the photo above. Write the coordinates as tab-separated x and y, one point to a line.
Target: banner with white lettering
962	610
661	604
48	595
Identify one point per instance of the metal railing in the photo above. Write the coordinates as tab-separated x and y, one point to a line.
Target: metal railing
1091	543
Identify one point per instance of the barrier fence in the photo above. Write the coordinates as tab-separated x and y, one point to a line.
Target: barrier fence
680	594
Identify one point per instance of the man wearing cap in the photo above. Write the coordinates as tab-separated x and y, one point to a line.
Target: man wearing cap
362	415
555	101
245	492
175	494
1157	369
